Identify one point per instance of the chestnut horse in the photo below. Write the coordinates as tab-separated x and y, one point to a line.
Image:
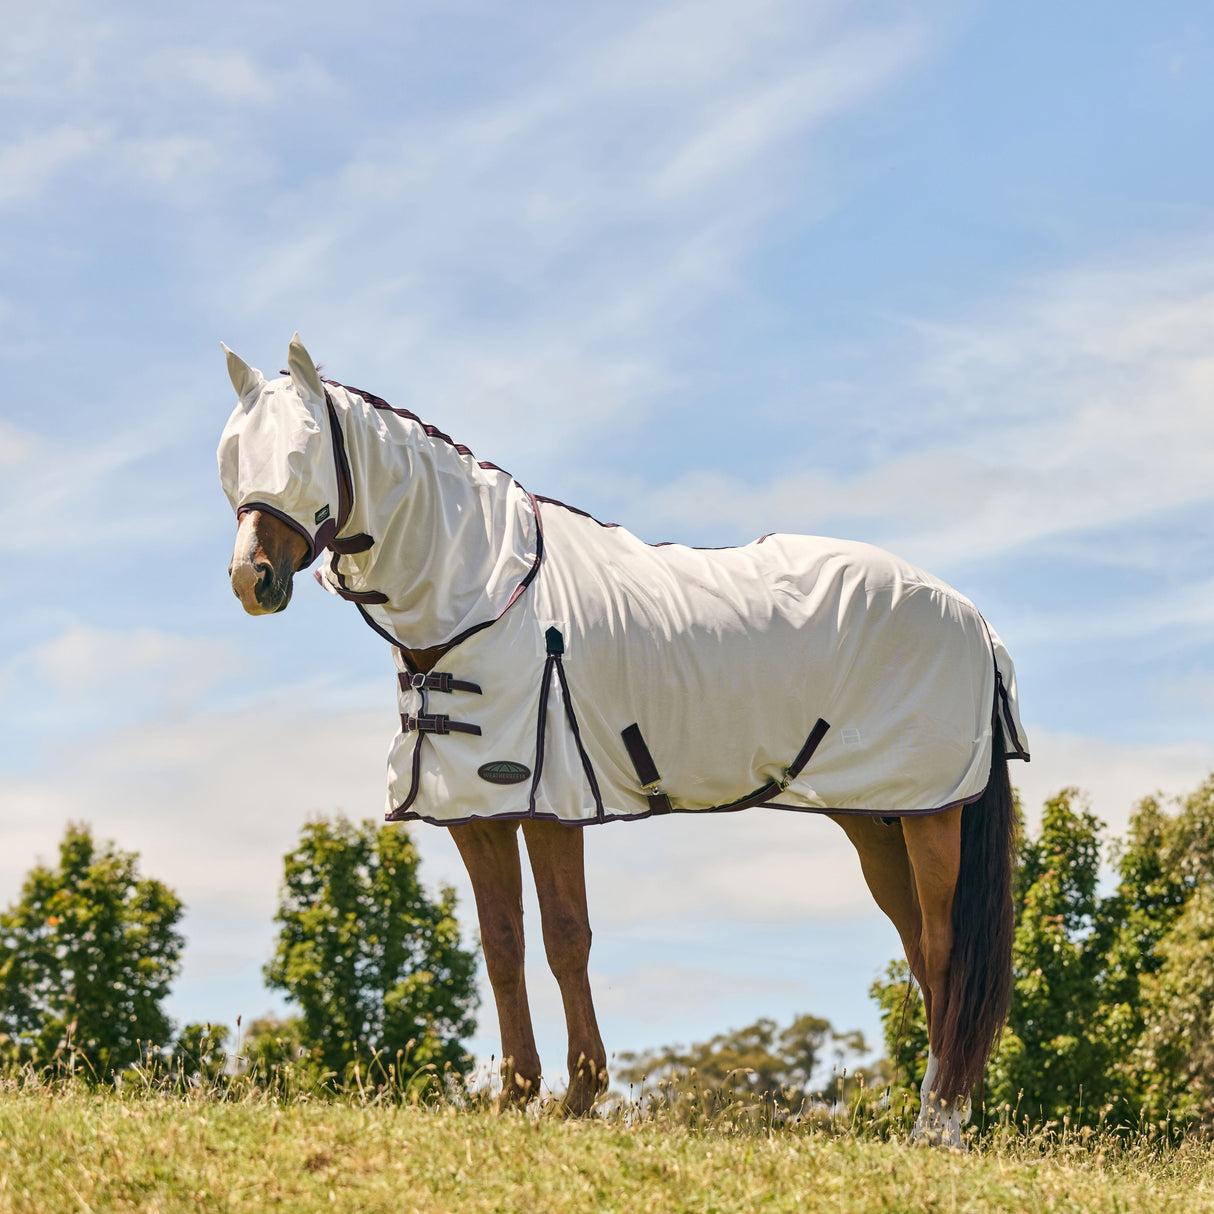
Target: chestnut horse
942	876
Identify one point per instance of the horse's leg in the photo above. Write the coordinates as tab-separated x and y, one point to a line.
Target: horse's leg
933	844
556	854
490	854
911	869
890	879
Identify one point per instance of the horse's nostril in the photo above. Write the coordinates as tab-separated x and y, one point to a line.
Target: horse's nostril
265	578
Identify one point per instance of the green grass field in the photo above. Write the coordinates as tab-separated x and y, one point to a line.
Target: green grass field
81	1151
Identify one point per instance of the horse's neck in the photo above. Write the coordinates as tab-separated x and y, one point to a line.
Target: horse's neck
451	540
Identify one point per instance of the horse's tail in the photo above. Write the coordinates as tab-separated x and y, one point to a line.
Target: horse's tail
980	967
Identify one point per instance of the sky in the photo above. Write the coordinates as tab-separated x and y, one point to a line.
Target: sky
936	276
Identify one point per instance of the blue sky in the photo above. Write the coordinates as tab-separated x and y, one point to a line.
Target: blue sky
937	276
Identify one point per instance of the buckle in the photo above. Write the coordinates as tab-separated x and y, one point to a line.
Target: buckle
428	724
417	681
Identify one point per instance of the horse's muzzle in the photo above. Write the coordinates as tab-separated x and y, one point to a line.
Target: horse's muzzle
259	589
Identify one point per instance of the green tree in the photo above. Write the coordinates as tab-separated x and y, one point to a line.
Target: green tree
1109	992
199	1055
1131	924
761	1063
86	957
1174	1056
274	1052
903	1026
1048	1060
373	964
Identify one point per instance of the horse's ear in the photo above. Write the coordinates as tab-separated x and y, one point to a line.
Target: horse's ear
303	371
244	378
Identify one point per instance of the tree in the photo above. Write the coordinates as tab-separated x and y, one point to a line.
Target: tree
1048	1060
903	1026
1174	1055
86	958
1113	1004
199	1055
373	964
760	1063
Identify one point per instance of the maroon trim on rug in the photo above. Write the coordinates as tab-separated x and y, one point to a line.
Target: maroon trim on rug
541	730
345	479
587	767
401	812
1003	704
660	804
551	501
377	402
761	796
718	809
447	646
313	549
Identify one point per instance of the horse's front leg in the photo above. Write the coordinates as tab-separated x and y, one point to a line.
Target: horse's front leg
490	854
556	855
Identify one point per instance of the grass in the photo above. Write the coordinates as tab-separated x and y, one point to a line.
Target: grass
68	1148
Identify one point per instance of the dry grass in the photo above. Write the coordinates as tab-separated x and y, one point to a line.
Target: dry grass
71	1149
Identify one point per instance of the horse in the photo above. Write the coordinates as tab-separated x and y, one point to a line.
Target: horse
613	680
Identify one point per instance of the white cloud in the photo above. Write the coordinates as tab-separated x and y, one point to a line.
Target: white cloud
848	71
226	75
558	234
16	445
660	991
30	163
112	665
1114	777
1083	403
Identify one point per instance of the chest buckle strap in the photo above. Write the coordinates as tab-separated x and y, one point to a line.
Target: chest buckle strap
437	723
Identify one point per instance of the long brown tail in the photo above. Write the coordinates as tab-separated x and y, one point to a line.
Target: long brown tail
980	968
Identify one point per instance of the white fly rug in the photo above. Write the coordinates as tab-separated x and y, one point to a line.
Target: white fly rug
591	676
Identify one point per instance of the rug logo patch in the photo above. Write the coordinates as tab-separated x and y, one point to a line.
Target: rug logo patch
502	771
322	514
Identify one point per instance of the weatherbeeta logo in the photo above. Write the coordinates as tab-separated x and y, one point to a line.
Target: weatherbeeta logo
503	772
322	514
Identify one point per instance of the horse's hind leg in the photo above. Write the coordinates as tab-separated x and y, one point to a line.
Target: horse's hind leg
933	843
890	879
490	854
556	855
911	867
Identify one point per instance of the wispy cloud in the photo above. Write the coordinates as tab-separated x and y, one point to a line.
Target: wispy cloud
224	74
1082	403
29	164
560	232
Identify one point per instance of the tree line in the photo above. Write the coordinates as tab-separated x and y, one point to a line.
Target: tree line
1112	1017
374	965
